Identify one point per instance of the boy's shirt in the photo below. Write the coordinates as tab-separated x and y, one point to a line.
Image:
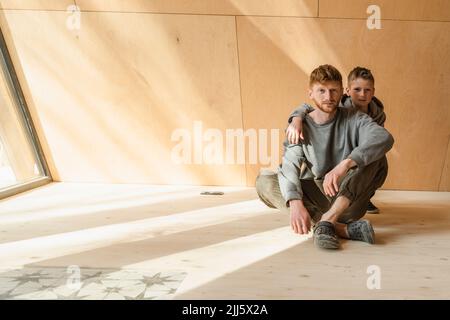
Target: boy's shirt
375	109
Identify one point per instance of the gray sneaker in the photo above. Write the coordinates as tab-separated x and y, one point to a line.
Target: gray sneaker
325	236
361	230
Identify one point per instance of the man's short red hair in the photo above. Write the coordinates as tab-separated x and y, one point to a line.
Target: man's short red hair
325	73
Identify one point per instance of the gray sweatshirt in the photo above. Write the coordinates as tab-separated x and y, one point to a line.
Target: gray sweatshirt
375	109
351	134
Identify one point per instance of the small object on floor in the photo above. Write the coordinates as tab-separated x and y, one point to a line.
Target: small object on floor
361	230
371	208
325	236
212	193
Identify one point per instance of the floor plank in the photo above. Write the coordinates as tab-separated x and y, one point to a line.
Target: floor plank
230	246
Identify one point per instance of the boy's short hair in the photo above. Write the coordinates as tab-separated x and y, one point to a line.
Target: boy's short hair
325	73
360	72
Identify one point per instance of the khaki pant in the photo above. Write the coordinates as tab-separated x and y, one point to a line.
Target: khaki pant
358	185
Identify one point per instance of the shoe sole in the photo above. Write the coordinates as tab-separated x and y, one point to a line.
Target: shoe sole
368	233
375	211
326	242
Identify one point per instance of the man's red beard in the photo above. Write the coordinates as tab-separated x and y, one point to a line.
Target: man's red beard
327	108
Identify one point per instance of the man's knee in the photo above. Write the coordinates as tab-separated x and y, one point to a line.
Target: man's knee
382	172
362	181
266	183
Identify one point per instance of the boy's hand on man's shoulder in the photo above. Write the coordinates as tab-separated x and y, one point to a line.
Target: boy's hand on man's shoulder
294	131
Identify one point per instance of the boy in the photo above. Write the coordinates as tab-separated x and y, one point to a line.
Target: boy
360	94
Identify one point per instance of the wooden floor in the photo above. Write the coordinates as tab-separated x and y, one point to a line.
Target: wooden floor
230	246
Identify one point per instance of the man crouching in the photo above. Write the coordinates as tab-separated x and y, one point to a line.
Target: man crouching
330	176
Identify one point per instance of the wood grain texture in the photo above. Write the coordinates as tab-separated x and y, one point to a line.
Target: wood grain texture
232	246
107	97
444	184
432	10
302	8
109	101
36	4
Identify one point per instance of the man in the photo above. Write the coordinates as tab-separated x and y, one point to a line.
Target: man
360	94
330	176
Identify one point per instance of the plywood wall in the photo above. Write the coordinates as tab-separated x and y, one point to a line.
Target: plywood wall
110	97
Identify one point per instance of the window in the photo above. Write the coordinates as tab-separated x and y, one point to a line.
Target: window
22	165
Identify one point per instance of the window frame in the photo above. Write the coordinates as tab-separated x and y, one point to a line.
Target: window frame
20	103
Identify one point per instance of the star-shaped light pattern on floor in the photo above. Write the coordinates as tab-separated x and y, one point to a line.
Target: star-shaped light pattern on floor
36	277
156	279
52	283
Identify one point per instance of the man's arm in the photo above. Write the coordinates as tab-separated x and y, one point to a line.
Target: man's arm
374	141
289	173
291	190
332	179
294	130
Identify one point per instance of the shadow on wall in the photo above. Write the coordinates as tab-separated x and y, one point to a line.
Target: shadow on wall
131	107
124	82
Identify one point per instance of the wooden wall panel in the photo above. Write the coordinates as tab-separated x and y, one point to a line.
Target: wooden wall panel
303	8
409	60
107	97
110	95
444	184
433	10
36	4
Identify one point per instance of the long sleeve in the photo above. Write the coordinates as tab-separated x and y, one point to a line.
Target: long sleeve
301	112
289	173
374	141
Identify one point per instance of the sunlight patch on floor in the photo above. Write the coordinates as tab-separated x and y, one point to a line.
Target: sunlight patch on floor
212	262
19	252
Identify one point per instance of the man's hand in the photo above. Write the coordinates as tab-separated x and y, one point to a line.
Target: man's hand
294	131
300	220
332	178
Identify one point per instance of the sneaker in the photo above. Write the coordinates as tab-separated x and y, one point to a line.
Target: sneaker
361	230
371	208
325	235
